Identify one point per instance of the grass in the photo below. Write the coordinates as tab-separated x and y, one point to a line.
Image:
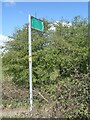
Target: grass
13	103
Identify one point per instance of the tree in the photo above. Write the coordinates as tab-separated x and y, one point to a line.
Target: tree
60	62
15	59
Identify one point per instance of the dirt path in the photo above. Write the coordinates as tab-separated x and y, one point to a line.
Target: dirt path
21	112
24	112
16	112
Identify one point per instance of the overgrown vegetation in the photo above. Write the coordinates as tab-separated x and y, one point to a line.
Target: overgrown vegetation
60	65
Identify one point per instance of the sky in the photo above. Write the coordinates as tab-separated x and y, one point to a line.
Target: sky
15	14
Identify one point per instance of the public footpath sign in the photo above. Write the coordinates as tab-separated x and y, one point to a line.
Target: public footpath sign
37	25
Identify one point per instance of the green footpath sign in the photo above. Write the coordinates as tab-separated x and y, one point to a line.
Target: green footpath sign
37	24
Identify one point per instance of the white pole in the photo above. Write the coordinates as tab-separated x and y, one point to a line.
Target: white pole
30	64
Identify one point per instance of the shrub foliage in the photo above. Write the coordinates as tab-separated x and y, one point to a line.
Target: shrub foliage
60	62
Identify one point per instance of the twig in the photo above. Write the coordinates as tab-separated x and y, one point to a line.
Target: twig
41	96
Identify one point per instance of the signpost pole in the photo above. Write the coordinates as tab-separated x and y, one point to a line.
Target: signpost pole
38	25
30	64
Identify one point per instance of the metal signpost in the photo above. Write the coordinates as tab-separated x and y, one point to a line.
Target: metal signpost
38	25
